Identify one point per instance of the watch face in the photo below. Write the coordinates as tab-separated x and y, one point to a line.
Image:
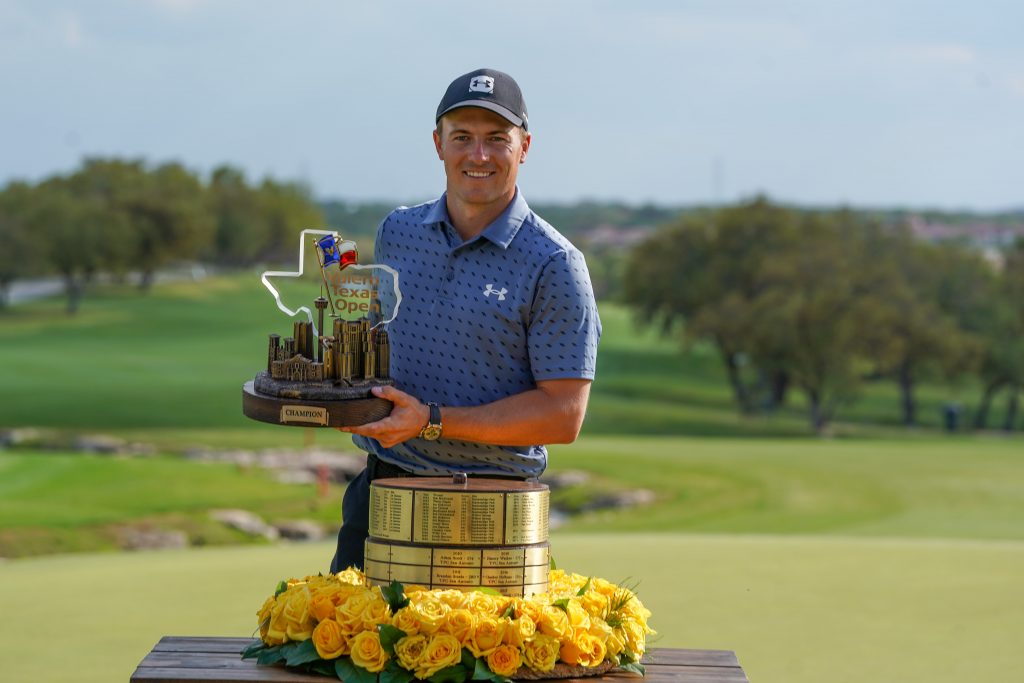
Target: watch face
431	432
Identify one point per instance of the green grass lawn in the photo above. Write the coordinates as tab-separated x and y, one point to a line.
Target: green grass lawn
176	358
796	610
881	555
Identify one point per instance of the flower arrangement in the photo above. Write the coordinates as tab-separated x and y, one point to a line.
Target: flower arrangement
338	625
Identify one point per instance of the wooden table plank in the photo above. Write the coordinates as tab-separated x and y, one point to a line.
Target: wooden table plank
177	659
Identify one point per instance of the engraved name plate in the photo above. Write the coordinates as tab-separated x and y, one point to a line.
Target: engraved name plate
526	517
391	513
311	414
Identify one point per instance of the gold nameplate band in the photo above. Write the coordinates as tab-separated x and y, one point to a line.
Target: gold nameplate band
464	534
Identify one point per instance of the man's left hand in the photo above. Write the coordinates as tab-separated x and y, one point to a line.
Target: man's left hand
406	421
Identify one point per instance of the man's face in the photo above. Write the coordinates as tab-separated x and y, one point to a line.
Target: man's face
481	152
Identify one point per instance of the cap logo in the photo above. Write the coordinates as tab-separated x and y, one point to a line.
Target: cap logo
481	84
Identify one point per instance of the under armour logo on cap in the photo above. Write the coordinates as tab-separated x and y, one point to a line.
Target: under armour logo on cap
481	84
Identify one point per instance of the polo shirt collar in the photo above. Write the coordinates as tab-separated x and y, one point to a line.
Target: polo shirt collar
502	229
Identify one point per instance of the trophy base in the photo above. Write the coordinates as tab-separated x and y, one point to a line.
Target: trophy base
305	412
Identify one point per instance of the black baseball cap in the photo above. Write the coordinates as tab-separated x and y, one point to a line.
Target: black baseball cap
488	89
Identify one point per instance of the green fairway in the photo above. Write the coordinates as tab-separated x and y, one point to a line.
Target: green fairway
796	610
176	358
54	502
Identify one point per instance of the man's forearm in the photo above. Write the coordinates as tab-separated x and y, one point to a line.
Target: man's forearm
551	413
544	415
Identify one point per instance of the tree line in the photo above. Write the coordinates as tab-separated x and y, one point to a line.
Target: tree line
822	301
117	216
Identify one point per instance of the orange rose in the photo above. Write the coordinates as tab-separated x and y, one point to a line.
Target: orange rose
505	660
330	640
586	650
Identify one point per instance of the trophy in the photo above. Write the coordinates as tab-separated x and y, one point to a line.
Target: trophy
323	376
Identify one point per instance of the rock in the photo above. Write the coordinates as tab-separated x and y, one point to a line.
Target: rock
620	499
300	530
246	522
296	477
565	479
152	539
98	443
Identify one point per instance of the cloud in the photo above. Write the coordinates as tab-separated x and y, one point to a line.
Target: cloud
70	28
178	6
938	53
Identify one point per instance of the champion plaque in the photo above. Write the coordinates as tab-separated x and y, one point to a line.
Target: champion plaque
438	533
323	375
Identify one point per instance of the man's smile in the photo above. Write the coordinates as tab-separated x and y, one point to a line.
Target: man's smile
479	174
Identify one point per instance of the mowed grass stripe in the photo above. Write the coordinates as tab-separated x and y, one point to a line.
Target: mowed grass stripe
796	609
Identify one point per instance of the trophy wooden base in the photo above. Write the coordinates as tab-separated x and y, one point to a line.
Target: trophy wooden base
295	412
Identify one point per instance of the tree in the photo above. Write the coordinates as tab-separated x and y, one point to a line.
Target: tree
242	229
701	275
20	251
74	232
1002	366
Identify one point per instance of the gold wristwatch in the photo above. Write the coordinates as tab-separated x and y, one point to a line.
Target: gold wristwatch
432	430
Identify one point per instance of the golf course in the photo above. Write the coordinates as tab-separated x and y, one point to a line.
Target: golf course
876	554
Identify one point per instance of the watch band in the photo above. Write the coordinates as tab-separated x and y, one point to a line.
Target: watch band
432	430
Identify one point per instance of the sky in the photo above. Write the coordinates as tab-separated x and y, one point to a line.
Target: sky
865	103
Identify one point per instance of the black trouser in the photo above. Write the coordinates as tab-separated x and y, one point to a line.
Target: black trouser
355	512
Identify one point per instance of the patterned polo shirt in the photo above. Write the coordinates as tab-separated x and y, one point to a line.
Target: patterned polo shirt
481	320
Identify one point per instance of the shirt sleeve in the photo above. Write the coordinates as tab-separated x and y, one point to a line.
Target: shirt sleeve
564	324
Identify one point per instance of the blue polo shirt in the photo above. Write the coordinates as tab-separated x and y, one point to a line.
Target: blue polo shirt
481	320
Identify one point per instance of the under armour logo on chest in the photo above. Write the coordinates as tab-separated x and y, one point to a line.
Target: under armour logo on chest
500	292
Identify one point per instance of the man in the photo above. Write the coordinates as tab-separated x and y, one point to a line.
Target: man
495	346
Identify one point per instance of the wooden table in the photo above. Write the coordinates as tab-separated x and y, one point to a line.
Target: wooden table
218	660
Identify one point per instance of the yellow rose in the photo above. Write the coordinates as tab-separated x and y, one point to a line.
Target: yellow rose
483	604
460	623
553	622
579	620
352	576
405	620
519	631
429	612
367	652
635	636
604	587
616	642
505	660
541	653
441	652
595	603
296	614
263	617
585	650
487	635
453	598
277	629
350	612
530	607
409	650
330	640
377	611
